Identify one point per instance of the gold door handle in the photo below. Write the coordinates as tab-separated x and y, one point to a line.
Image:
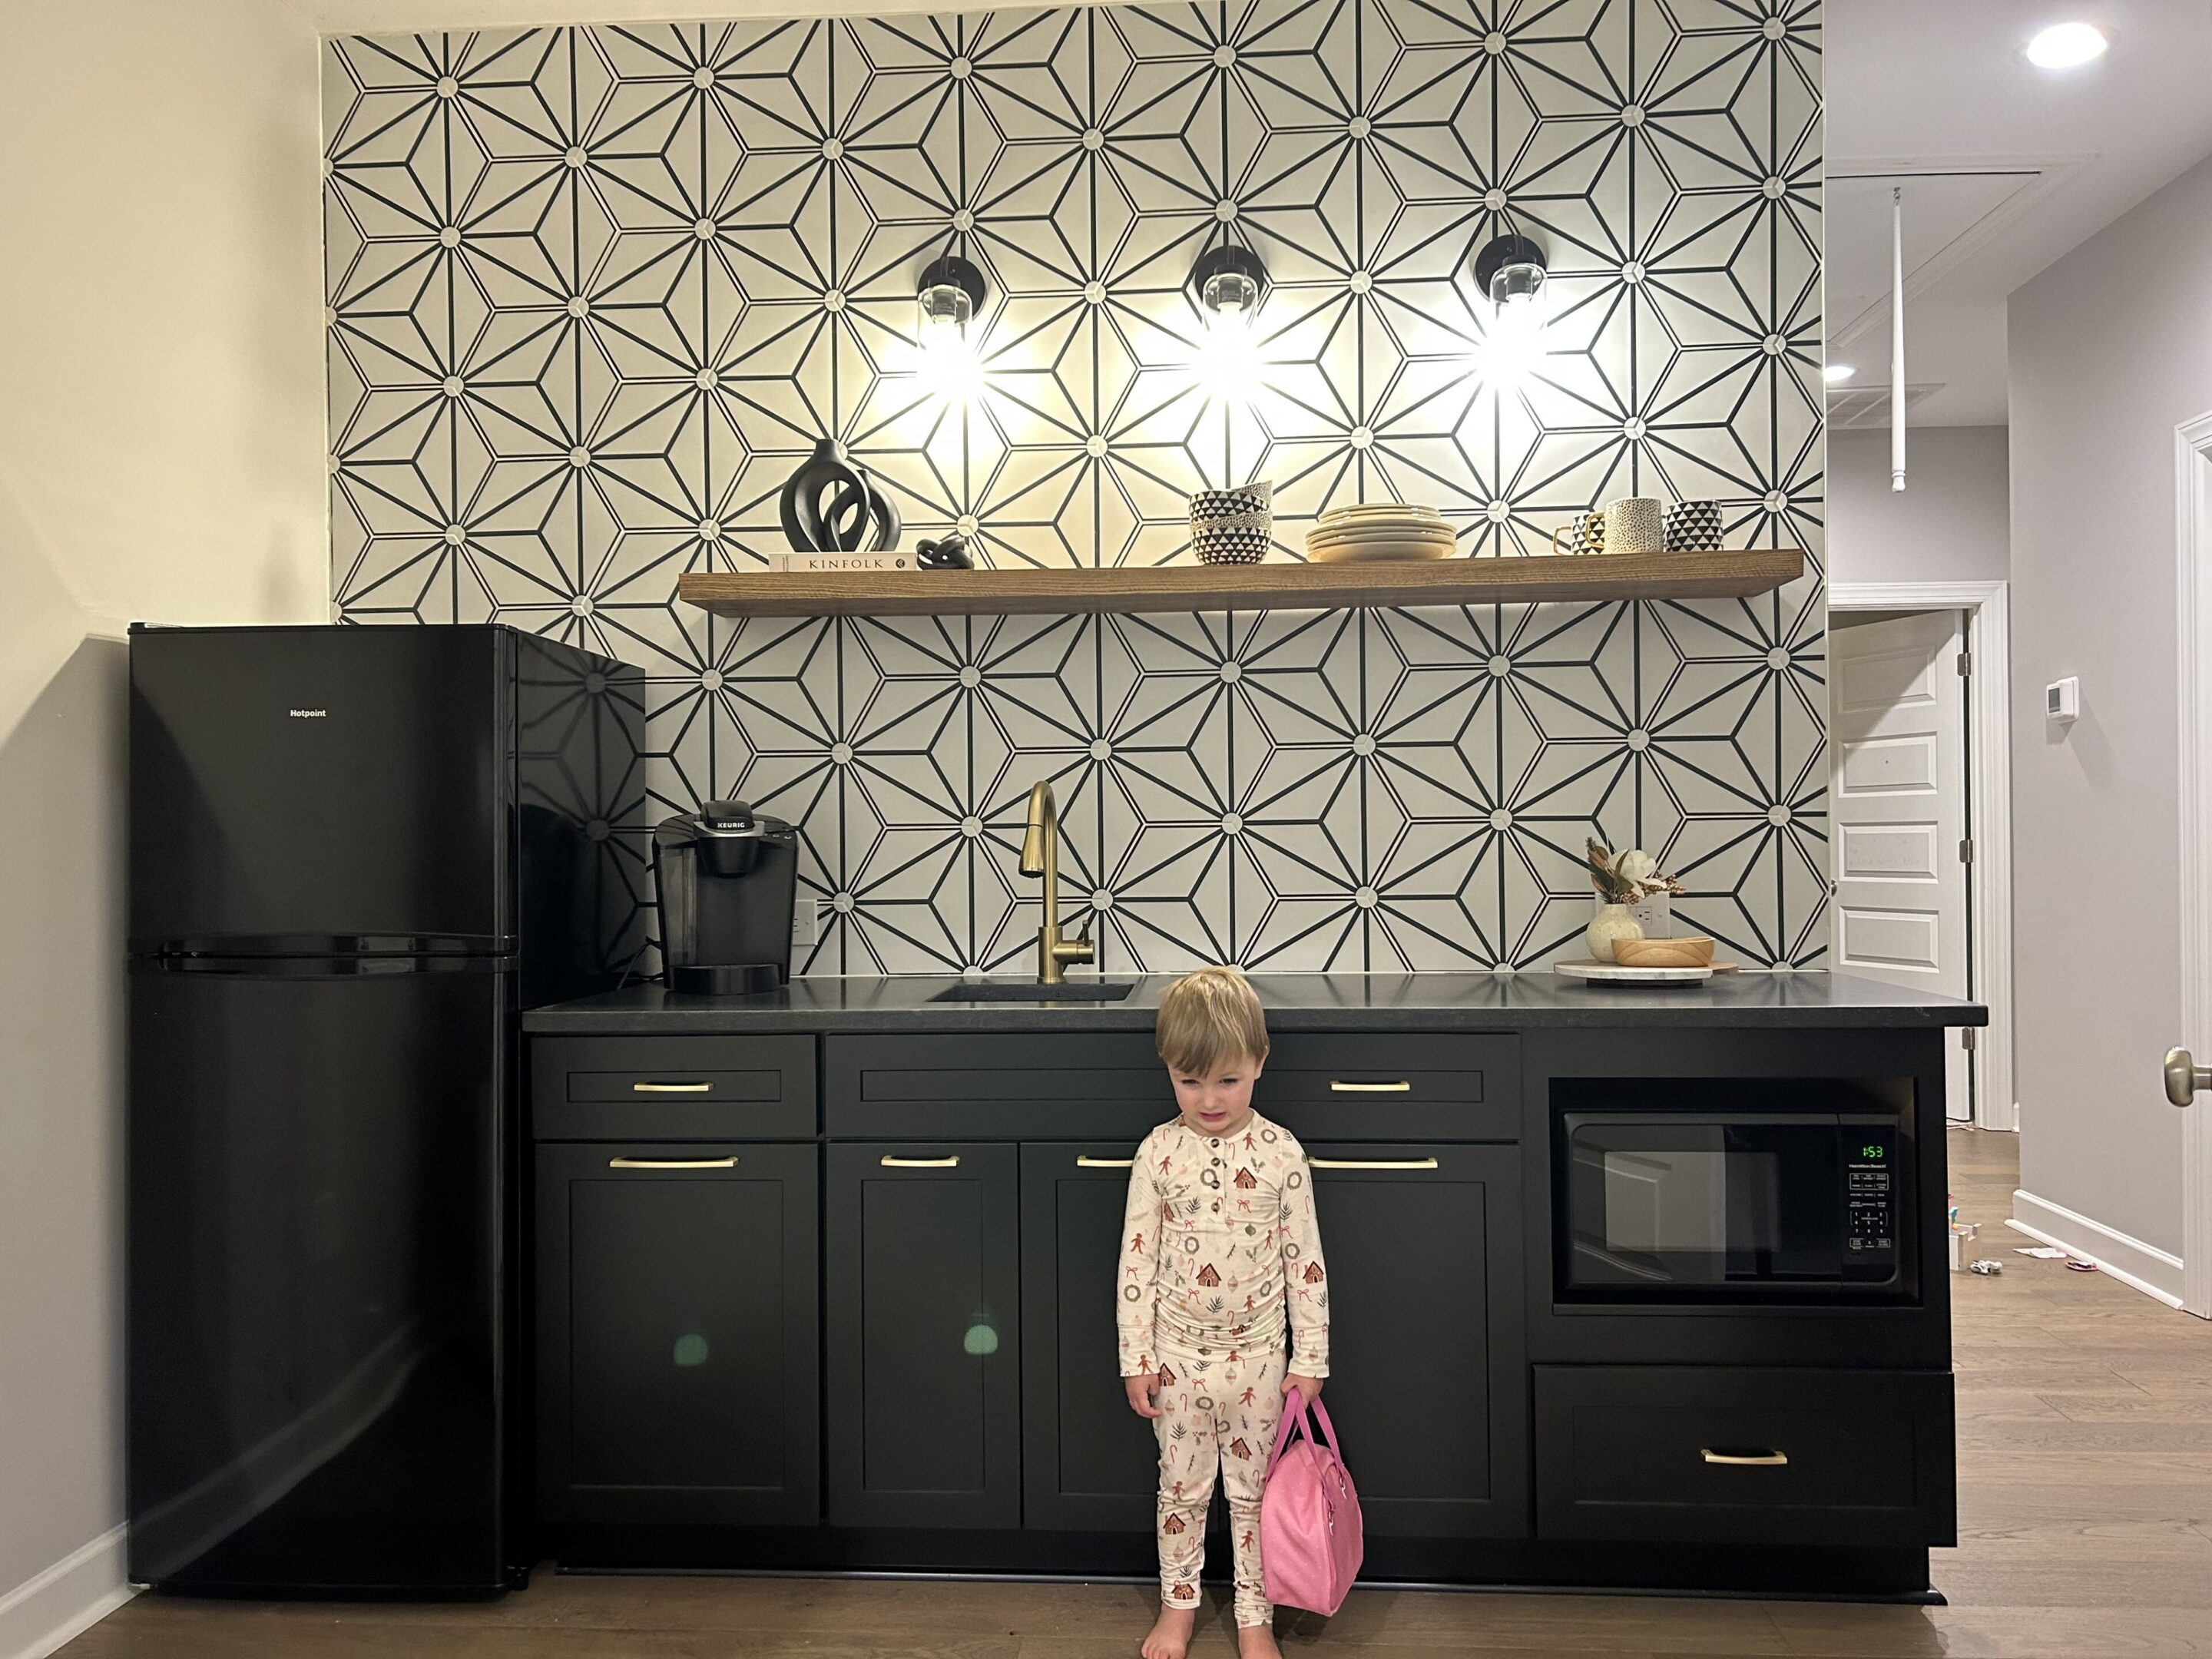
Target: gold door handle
730	1163
1372	1162
1340	1087
1755	1460
671	1088
1084	1161
890	1162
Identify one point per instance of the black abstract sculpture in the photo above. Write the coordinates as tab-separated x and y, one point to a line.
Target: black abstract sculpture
948	552
831	506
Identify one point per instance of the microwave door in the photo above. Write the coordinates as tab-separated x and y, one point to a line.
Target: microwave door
1652	1214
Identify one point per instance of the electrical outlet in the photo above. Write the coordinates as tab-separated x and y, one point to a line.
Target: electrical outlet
805	923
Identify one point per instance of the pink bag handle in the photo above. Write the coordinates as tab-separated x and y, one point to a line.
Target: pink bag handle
1302	1420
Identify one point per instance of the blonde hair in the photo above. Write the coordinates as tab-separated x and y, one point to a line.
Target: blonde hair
1207	1018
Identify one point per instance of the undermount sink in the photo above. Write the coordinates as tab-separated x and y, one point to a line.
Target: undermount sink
999	990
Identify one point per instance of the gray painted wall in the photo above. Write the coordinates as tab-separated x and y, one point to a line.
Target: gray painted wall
2112	348
1952	523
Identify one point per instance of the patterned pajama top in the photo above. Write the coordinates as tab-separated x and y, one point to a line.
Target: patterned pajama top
1221	1250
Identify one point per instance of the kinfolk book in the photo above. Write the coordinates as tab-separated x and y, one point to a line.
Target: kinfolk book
809	563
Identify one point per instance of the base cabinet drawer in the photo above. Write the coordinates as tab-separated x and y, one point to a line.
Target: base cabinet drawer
679	1333
673	1088
1695	1454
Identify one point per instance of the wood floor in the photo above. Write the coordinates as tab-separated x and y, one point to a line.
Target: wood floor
2085	1464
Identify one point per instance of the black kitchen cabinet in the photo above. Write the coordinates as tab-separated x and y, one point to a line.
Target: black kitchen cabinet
923	1298
1742	1455
679	1333
1427	1374
1089	1463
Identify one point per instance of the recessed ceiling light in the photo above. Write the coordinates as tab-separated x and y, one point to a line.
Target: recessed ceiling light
1837	373
2066	46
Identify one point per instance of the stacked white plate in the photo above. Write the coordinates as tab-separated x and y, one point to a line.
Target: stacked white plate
1379	530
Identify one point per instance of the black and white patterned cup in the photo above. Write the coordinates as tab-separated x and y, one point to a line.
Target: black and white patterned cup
1229	544
1583	533
1636	524
1245	500
1693	528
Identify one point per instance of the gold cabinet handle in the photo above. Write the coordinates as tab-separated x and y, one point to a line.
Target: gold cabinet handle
672	1162
1754	1459
1085	1161
890	1162
671	1088
1343	1088
1372	1162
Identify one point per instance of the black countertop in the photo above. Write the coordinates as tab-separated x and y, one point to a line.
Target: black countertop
1295	1002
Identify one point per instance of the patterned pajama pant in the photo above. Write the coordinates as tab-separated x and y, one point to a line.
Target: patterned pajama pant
1217	1413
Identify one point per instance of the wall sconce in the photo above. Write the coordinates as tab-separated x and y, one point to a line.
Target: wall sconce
1230	282
951	293
948	297
1510	271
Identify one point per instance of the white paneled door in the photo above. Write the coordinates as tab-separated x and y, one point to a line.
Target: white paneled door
1899	775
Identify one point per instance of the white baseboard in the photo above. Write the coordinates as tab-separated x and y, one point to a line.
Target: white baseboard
2142	1266
53	1607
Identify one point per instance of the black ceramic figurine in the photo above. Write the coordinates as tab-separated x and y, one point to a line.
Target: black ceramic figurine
948	552
830	506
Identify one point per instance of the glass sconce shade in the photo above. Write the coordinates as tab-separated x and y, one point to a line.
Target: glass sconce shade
952	291
1230	282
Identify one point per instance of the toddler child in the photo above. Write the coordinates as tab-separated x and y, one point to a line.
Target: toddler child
1224	1297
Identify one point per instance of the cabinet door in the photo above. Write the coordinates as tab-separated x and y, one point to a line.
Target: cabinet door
1425	1375
678	1338
1089	1463
925	1336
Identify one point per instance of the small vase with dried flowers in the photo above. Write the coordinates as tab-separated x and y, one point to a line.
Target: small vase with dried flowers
1621	879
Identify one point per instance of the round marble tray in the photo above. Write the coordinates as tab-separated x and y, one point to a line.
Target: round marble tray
1614	973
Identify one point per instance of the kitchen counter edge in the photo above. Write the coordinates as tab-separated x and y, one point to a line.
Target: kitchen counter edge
1295	1002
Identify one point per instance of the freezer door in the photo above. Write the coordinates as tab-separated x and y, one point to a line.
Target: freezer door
314	1272
313	783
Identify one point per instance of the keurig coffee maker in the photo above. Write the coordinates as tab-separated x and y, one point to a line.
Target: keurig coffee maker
726	878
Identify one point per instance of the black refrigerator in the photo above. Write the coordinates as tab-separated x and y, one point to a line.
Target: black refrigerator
356	854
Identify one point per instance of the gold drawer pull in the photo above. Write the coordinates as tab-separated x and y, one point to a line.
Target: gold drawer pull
1755	1460
1344	1088
1372	1162
890	1162
671	1088
1084	1161
672	1162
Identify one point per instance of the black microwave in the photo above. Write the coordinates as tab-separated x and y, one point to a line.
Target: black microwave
1733	1199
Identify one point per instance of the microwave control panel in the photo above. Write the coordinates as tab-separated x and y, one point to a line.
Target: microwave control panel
1870	1201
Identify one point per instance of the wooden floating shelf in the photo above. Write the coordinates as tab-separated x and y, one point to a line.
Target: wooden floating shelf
1027	591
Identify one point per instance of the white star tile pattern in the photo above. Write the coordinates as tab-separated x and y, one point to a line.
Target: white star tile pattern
593	293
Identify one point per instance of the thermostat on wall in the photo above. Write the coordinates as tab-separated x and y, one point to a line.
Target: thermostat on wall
2061	701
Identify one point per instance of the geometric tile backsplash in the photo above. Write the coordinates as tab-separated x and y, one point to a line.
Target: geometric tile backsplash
594	292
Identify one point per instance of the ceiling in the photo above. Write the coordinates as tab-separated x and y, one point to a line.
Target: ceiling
2004	168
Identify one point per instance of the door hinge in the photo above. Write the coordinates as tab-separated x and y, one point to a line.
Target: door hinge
1966	850
1968	1038
1965	663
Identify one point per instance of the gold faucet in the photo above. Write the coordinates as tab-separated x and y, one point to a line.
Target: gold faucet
1041	857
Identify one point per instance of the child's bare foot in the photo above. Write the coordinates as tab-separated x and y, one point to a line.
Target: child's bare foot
1257	1642
1171	1637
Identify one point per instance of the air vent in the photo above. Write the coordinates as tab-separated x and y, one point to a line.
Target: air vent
1850	406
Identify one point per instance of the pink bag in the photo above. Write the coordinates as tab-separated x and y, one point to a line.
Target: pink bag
1310	1538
